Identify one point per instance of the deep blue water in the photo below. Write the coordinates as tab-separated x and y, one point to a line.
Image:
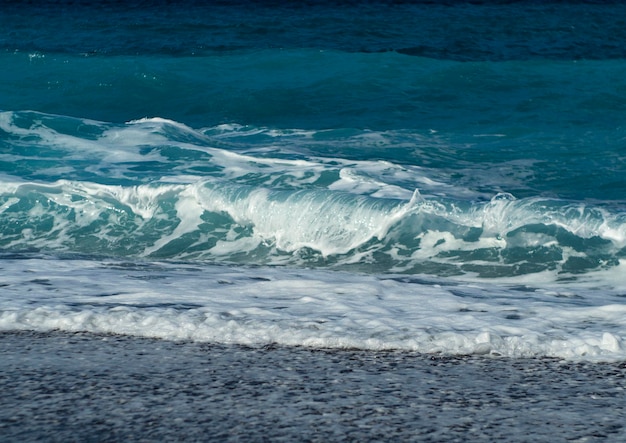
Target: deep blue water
479	141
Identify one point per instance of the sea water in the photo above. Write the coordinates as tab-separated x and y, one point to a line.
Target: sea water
442	178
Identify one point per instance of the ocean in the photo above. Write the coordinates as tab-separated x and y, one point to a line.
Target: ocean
333	181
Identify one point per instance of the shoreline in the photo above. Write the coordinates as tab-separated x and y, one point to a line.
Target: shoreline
62	386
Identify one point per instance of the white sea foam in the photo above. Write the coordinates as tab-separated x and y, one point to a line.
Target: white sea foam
320	309
110	146
280	160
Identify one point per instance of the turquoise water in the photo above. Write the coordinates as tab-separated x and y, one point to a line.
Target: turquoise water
369	147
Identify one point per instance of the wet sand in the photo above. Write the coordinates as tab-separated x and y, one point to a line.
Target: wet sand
85	387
